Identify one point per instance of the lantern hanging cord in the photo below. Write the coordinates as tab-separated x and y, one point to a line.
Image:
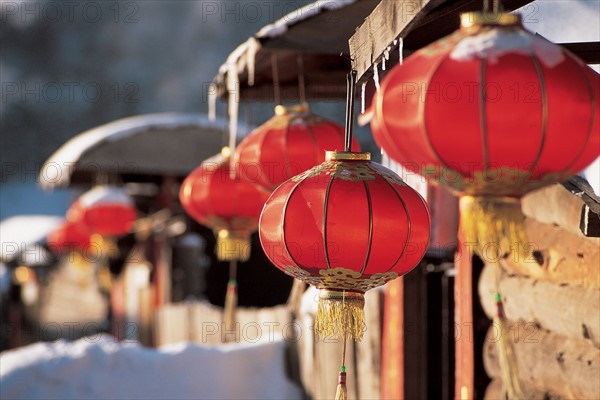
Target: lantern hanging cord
301	82
496	6
350	87
275	71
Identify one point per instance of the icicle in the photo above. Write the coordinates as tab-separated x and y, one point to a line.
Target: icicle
253	47
212	102
363	90
233	83
400	51
386	57
376	77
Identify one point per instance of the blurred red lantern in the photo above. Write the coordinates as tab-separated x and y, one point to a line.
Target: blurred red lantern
68	237
291	142
105	210
228	205
490	112
345	226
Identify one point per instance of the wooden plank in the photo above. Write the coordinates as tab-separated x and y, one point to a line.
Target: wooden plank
463	319
543	204
418	22
387	21
559	257
549	362
570	311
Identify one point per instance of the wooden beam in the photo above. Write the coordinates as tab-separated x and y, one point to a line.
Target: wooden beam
548	362
567	310
417	22
559	257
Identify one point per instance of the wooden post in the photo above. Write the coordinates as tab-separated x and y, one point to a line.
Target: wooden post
463	316
392	361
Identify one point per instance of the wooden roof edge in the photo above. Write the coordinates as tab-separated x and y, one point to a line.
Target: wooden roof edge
392	21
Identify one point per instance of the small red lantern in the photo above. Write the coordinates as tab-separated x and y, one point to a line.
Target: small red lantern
491	112
68	237
228	205
231	208
291	142
105	210
345	226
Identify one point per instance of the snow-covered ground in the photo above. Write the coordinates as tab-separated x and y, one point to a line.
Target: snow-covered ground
102	368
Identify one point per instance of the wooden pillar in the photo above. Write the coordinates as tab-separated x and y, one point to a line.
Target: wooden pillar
392	361
463	316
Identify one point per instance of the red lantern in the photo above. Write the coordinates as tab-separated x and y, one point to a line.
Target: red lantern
291	142
68	237
345	226
105	210
491	112
230	206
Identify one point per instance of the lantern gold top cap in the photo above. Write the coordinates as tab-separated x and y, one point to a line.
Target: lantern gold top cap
298	108
475	19
347	156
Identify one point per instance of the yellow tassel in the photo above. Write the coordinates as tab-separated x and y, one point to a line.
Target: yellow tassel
506	356
232	246
341	392
340	314
230	305
493	226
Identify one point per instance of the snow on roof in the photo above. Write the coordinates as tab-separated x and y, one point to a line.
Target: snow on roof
21	232
102	368
70	152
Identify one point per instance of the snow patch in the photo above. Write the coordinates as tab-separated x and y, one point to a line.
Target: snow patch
493	44
101	368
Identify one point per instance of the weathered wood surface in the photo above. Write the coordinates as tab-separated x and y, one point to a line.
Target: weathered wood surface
556	205
549	362
559	256
494	391
320	358
566	310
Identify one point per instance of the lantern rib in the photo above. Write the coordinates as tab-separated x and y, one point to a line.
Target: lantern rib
483	115
370	205
408	231
284	213
593	101
440	160
540	74
315	144
325	206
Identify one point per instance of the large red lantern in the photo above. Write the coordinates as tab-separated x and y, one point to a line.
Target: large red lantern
291	142
226	204
105	210
490	112
69	237
344	226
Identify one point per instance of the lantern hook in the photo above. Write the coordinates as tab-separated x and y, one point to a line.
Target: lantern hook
350	94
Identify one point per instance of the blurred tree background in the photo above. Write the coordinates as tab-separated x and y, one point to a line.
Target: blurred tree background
68	66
